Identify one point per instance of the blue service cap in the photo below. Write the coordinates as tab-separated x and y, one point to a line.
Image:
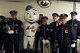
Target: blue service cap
63	16
55	14
2	17
12	12
73	13
44	18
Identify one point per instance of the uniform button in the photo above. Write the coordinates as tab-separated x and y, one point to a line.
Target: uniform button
62	34
62	40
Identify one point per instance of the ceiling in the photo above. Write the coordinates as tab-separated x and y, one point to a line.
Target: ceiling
36	0
17	0
72	0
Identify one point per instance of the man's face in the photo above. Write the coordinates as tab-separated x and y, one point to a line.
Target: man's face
14	16
55	18
63	21
44	22
73	17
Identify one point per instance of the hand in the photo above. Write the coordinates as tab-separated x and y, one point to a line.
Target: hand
73	45
10	31
47	41
78	40
43	41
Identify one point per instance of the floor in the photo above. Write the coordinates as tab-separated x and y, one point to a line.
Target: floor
78	48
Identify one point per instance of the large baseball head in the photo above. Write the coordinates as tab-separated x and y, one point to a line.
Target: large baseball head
31	14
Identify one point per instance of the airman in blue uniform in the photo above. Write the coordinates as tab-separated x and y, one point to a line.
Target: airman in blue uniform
54	25
63	35
14	27
44	31
75	25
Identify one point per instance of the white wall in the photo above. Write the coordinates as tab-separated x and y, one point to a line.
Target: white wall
56	6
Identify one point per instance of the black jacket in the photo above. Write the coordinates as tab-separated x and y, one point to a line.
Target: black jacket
64	38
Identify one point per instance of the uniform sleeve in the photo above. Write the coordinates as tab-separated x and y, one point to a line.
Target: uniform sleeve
51	24
78	32
71	36
37	38
37	33
73	40
21	24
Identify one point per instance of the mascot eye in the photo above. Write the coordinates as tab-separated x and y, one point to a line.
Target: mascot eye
34	13
27	13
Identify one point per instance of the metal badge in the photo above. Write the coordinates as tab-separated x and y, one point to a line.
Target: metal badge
66	30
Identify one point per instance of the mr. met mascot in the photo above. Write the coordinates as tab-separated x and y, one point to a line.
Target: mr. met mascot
30	26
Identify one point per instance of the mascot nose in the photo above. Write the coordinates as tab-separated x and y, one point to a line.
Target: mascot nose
31	16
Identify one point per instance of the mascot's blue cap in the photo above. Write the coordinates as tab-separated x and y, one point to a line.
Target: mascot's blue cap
28	7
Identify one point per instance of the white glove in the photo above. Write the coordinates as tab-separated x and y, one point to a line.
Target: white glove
47	41
43	41
73	45
78	40
10	31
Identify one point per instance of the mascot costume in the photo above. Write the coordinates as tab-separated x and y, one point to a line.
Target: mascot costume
30	26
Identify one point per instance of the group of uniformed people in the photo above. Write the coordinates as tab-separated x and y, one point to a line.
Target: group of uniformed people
62	34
